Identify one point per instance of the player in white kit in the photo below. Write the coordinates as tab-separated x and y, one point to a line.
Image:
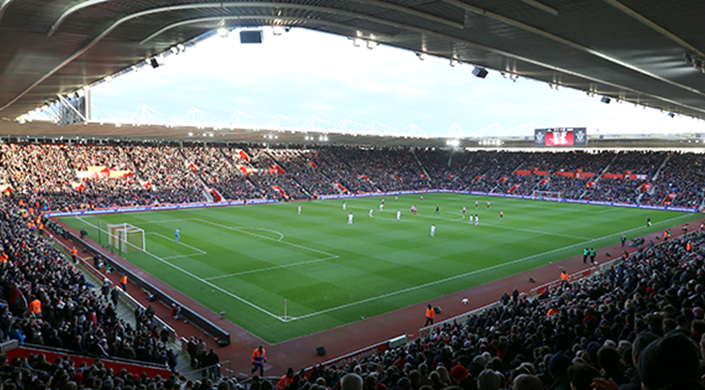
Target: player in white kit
371	211
477	220
299	209
350	219
381	207
344	205
398	215
433	230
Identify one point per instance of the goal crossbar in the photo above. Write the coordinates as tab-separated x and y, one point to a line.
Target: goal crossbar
126	238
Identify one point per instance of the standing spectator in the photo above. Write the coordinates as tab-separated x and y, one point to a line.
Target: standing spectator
123	282
430	315
259	357
289	377
114	295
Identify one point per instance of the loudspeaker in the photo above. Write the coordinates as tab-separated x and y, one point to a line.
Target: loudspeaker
321	350
480	72
251	36
154	63
605	100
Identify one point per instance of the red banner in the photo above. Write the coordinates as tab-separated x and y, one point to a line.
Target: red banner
342	188
590	184
544	181
244	156
281	192
313	164
645	187
276	169
514	187
503	179
396	177
522	172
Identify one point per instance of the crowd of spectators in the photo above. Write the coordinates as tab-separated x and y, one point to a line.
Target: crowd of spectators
170	174
45	300
640	323
37	373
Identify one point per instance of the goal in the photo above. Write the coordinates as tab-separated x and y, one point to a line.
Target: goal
546	195
126	238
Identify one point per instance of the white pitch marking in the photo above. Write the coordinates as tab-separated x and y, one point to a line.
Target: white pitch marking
180	243
208	283
272	268
266	238
472	272
182	256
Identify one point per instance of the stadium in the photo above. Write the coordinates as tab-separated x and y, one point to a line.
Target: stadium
150	254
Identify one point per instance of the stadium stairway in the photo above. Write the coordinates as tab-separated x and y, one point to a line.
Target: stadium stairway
126	306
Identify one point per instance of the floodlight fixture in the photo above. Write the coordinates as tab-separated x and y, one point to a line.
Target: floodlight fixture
357	42
277	30
223	32
371	44
109	79
605	100
480	72
453	63
421	55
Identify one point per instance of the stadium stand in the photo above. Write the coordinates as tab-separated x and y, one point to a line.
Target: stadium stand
141	175
596	328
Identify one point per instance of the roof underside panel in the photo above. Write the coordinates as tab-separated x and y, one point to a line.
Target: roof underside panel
633	50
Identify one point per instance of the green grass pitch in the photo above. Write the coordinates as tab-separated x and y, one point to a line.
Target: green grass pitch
247	260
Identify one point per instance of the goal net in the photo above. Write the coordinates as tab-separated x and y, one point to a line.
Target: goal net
547	195
126	238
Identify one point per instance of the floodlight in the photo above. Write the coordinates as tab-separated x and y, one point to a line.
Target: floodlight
109	79
480	72
453	63
181	47
371	44
223	32
422	56
277	30
357	42
605	100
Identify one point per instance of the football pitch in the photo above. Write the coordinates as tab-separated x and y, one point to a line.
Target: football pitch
247	260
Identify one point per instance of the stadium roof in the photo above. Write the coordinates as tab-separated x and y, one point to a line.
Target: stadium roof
644	51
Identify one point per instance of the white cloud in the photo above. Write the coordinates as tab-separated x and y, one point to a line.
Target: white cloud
304	73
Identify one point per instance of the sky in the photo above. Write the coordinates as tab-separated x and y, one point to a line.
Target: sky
303	73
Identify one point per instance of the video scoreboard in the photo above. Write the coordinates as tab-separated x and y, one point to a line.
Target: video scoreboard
561	136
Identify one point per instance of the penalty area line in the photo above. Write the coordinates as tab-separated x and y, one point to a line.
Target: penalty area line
180	243
273	268
209	284
460	276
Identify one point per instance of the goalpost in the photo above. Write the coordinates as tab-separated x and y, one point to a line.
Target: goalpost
126	238
536	194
